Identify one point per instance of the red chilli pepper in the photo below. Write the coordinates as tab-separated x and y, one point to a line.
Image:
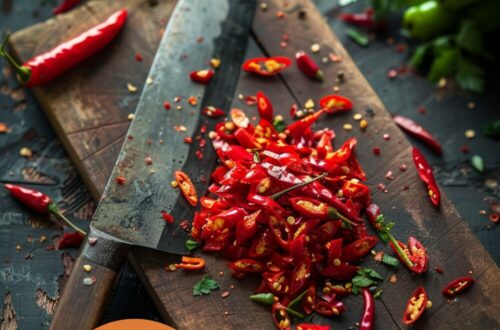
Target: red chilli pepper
266	66
365	19
415	306
190	263
425	172
39	202
367	320
213	112
280	317
65	6
335	103
416	130
415	252
202	76
264	107
358	249
187	188
247	266
457	286
308	66
45	67
70	240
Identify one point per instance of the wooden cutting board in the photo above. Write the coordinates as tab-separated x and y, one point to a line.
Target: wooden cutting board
89	107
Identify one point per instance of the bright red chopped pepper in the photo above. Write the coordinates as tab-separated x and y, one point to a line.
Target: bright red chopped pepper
202	76
332	308
190	263
70	240
415	252
264	66
425	172
239	118
45	67
315	209
65	6
213	112
307	326
367	320
358	249
416	306
365	19
308	66
457	286
264	107
335	103
419	132
187	187
308	301
280	317
300	126
247	266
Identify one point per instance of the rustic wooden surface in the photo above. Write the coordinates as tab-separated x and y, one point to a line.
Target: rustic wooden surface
452	226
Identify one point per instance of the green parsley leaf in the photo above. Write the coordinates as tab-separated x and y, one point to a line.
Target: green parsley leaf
470	38
444	65
204	286
192	244
368	272
470	76
279	126
362	281
391	261
359	37
492	129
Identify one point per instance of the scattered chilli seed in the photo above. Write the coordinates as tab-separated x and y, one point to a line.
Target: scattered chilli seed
193	101
402	168
225	294
309	104
363	124
470	134
3	128
263	6
386	137
442	83
336	89
494	217
89	280
334	57
393	278
166	105
121	180
392	74
315	48
131	116
92	241
26	152
376	151
357	116
87	268
347	127
131	88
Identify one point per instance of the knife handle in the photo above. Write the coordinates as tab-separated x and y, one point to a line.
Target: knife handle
85	294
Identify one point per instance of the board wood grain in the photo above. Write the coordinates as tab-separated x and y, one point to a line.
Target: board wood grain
93	137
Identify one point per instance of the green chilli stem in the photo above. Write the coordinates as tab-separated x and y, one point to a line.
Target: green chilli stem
401	252
302	184
55	210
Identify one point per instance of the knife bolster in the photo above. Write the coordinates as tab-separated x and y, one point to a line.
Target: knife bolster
104	250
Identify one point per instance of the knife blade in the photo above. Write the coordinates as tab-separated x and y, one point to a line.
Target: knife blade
131	213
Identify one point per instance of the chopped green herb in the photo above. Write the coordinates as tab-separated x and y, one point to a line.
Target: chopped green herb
391	261
492	129
359	37
279	126
366	277
204	286
192	244
478	163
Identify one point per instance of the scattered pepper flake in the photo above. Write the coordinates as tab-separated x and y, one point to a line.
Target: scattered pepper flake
167	217
439	270
148	160
309	104
188	140
442	83
389	175
87	268
470	134
166	105
471	105
347	127
18	247
26	152
392	74
494	217
171	268
193	101
131	116
386	137
149	80
173	184
225	294
121	180
89	280
357	116
131	88
177	99
393	278
422	110
402	167
280	14
336	89
138	57
180	128
263	6
376	151
92	241
3	128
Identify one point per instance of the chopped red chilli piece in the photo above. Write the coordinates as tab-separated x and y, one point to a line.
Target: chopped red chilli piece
457	286
167	217
416	306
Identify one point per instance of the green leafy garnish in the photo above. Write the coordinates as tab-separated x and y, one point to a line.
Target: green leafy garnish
383	228
443	65
279	126
204	286
391	261
492	129
359	37
366	277
478	163
470	38
469	75
192	244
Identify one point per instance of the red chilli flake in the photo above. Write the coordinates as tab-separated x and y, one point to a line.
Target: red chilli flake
188	140
167	105
69	240
386	137
376	151
138	57
392	74
464	149
402	168
199	154
422	110
250	100
439	270
121	180
167	217
494	217
184	225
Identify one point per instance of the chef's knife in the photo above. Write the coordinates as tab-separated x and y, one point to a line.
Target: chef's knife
130	211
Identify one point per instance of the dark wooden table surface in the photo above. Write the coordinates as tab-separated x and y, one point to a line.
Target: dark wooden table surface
30	277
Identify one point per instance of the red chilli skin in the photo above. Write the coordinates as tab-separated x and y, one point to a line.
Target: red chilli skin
367	320
308	66
45	67
33	199
425	172
416	130
64	6
406	318
457	286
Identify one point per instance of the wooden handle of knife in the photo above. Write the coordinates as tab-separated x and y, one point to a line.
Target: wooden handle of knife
84	296
89	285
